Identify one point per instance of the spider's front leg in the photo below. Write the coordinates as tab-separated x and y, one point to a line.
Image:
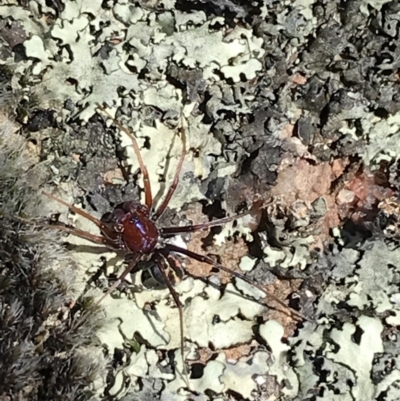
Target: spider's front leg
97	239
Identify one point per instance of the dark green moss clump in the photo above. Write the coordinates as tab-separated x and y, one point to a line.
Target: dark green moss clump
42	341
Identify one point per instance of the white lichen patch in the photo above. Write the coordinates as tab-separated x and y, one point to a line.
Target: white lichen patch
208	318
273	333
229	330
374	275
69	66
383	138
247	263
235	377
358	357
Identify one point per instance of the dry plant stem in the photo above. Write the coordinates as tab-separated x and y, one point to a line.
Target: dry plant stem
208	260
143	168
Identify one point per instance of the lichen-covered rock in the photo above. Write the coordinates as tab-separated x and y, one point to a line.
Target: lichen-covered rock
293	106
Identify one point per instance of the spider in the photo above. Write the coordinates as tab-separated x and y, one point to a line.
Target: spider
132	230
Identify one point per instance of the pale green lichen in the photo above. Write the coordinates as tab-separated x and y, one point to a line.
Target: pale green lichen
358	357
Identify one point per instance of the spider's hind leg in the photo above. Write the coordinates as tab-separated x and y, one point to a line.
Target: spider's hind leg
209	261
162	260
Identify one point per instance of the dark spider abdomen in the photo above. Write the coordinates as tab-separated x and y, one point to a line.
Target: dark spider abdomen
131	227
140	233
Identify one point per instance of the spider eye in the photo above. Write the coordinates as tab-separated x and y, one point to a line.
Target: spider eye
143	209
118	228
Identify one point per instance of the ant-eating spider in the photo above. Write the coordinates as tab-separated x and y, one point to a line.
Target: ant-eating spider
131	229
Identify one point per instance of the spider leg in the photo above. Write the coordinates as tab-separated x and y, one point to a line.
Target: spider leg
161	260
202	226
131	268
172	263
107	240
208	260
160	210
146	179
75	209
97	239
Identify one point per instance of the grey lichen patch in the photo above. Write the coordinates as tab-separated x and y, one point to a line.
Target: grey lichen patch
343	360
234	376
160	327
375	274
380	134
231	329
